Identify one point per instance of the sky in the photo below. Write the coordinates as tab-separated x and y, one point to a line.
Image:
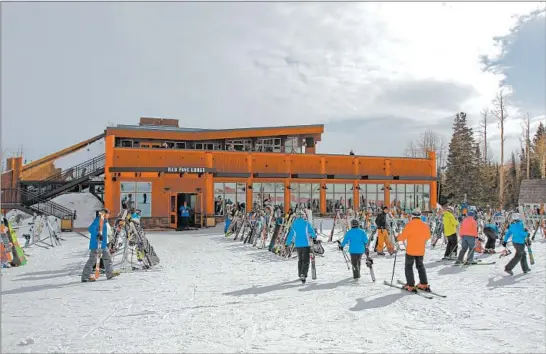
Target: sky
376	74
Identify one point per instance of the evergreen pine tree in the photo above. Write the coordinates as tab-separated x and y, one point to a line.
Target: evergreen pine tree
462	173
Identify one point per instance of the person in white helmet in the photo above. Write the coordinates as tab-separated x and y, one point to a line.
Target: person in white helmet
417	233
520	238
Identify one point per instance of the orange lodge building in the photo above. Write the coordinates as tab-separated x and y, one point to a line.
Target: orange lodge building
156	167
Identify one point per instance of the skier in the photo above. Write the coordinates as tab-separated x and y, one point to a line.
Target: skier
491	231
417	233
357	239
383	233
520	238
299	234
450	231
98	230
469	234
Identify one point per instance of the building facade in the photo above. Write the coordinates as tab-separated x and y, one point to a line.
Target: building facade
156	167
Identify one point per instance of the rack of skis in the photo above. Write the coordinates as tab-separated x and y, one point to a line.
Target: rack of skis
44	232
130	248
267	228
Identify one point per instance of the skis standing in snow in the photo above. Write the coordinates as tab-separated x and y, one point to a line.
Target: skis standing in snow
469	234
299	235
450	231
98	230
357	240
417	233
520	238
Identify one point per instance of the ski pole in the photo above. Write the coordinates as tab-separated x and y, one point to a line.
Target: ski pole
344	256
393	266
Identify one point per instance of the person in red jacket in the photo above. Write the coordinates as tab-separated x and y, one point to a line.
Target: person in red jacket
469	234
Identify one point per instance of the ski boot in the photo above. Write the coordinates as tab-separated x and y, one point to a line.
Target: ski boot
411	289
526	271
508	271
470	263
380	253
115	273
423	287
88	280
458	262
303	279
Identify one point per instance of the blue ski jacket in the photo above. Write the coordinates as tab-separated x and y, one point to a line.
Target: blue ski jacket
517	232
357	239
184	211
493	227
94	231
301	230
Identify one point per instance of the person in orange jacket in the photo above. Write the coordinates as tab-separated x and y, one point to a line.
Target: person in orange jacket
417	233
469	234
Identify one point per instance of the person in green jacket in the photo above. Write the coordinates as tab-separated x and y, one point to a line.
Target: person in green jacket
450	231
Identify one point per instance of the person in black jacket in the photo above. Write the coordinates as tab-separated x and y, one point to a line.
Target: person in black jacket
383	233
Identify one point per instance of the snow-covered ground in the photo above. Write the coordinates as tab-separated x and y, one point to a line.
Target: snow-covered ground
85	205
211	294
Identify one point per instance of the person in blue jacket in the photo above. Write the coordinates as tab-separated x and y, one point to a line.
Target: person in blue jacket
299	234
357	240
184	215
98	231
491	231
520	238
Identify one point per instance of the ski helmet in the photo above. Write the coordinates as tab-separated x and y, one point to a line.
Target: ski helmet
299	212
516	217
416	213
355	223
451	209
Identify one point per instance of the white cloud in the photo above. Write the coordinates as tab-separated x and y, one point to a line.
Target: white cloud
247	64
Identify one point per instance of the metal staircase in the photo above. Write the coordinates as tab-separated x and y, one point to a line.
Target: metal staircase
27	202
61	182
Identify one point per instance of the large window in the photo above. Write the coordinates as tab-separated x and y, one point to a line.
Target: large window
292	145
410	196
338	197
136	195
306	195
371	196
226	194
268	144
268	194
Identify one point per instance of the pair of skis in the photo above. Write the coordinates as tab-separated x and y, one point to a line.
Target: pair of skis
426	294
369	262
472	264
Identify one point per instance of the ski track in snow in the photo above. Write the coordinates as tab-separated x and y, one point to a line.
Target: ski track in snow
214	294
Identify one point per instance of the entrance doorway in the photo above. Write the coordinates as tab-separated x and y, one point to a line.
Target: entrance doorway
177	200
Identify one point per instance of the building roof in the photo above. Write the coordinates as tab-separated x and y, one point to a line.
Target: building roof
172	132
532	191
190	130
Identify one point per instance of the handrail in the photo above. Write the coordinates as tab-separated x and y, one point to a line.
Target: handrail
96	163
20	196
79	171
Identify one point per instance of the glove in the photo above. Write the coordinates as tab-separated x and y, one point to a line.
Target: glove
315	241
503	243
369	262
528	242
339	246
99	236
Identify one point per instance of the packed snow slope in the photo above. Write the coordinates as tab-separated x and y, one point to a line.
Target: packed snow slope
85	205
211	294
